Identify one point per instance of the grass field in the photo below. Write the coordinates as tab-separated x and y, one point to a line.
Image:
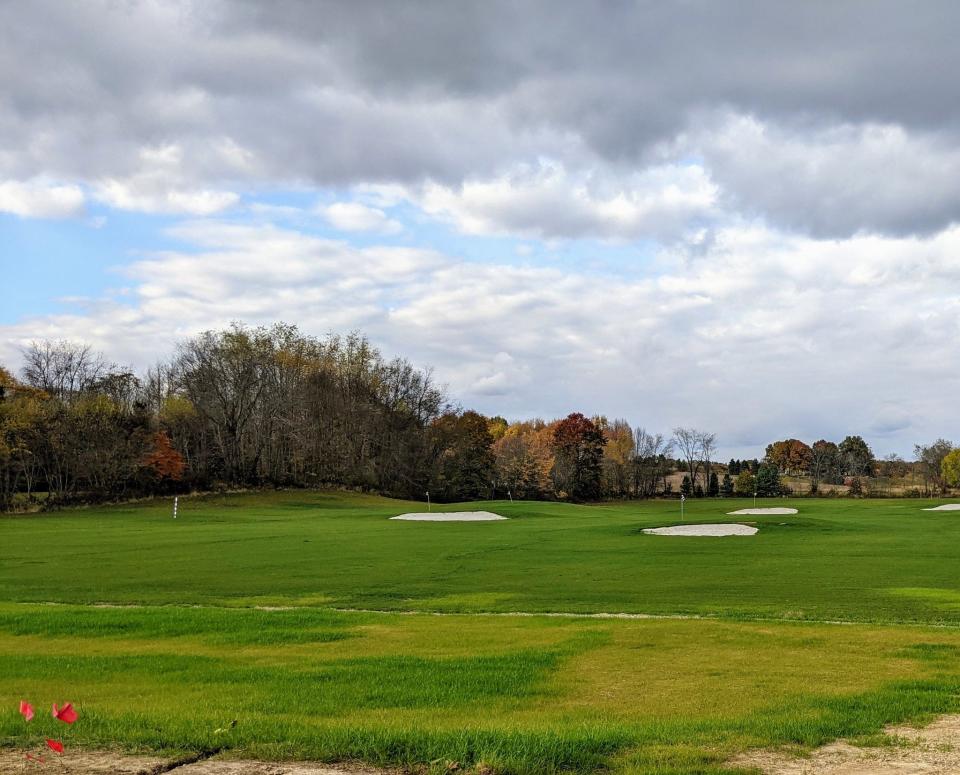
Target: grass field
313	621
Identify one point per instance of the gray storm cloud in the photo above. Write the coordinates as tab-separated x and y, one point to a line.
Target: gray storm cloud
350	93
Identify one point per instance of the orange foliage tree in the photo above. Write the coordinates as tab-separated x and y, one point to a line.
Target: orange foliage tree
163	460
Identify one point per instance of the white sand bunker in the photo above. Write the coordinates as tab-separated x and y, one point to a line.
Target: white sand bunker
450	516
703	530
775	510
945	507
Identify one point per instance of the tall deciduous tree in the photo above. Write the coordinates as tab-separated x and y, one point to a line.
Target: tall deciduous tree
950	468
464	467
930	459
856	456
578	450
696	447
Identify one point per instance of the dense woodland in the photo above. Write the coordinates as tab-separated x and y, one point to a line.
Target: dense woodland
252	407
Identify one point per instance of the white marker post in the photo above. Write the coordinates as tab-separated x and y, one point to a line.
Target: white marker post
428	501
510	495
175	500
683	499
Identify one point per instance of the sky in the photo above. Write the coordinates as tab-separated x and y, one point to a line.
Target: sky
736	216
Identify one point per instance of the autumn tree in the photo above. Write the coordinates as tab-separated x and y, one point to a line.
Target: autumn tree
163	461
790	456
950	468
524	459
617	457
744	484
578	451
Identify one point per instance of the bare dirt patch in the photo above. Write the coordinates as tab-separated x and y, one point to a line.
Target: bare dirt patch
86	762
932	750
114	763
220	767
450	516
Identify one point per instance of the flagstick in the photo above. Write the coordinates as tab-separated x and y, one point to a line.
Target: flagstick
429	508
175	500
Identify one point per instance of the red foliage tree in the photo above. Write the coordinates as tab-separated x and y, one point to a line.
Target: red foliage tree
164	460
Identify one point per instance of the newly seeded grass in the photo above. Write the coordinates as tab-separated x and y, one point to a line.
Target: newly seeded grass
229	613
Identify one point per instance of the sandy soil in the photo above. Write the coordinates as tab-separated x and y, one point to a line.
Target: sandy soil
113	763
933	750
84	762
774	510
702	530
450	516
945	507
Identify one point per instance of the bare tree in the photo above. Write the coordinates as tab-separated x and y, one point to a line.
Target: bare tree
62	369
930	457
650	453
696	447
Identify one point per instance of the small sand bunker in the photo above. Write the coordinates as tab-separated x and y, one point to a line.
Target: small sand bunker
450	516
945	507
774	510
703	530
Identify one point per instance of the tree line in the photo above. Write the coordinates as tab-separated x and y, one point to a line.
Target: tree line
852	461
272	406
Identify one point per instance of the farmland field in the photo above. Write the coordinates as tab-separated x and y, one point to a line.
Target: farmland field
329	632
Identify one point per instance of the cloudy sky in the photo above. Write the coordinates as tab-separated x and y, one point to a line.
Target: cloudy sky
741	216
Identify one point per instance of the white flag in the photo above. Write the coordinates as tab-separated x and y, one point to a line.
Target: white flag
682	497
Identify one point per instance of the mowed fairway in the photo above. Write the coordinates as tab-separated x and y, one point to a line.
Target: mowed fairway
291	613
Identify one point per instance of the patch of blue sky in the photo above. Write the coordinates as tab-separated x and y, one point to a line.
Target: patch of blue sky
48	265
302	211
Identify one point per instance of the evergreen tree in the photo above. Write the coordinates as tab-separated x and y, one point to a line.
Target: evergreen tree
726	489
698	490
768	480
685	487
713	489
733	467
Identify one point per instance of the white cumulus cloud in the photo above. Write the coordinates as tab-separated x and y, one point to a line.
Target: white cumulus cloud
354	216
34	199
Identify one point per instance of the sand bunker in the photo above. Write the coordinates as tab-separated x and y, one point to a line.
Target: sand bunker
945	507
450	516
702	530
775	510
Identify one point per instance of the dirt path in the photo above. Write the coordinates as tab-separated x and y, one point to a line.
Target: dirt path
932	750
113	763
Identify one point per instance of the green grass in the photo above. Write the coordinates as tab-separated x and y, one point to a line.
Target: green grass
231	612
